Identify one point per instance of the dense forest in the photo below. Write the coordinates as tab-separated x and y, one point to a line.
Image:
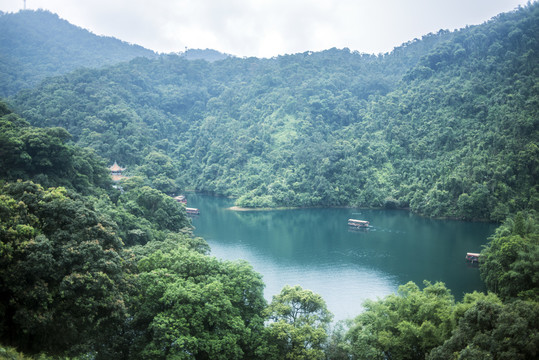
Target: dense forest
38	44
88	271
446	125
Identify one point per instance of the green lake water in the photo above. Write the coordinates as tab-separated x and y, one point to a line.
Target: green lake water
316	249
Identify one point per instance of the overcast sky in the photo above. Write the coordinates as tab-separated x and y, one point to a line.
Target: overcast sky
266	28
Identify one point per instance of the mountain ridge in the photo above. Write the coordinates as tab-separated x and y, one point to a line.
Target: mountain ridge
38	44
445	125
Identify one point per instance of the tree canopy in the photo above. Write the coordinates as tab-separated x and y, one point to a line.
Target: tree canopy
61	271
195	307
299	322
491	330
509	262
445	125
52	46
403	326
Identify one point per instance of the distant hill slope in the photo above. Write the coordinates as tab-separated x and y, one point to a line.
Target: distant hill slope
204	54
38	44
447	125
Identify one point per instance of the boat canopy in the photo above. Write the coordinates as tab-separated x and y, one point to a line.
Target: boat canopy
358	221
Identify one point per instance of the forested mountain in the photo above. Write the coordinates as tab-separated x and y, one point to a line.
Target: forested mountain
114	274
204	54
38	44
445	125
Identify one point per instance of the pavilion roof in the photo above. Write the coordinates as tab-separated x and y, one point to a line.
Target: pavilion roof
115	167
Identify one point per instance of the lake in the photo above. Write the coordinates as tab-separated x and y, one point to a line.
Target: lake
316	249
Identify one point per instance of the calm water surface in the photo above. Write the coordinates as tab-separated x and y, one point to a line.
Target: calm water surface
315	249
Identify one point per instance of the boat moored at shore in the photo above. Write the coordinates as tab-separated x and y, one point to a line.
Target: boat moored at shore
472	257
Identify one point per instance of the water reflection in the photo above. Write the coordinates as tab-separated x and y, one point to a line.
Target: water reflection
315	249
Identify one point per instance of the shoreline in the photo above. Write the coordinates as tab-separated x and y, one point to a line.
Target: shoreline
239	208
246	209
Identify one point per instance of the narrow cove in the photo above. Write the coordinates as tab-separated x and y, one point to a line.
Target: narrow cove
316	249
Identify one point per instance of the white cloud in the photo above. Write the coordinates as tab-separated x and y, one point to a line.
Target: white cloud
269	27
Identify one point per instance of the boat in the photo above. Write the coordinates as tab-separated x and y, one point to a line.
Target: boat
192	211
181	199
358	223
472	257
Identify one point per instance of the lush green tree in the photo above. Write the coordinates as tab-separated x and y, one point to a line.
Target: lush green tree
43	155
299	321
159	209
338	347
61	272
52	46
509	264
445	125
403	326
470	300
192	306
156	163
165	184
173	241
491	330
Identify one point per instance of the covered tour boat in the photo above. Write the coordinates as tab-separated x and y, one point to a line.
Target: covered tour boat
358	223
181	199
472	257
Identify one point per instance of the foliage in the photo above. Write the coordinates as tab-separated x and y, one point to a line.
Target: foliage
510	261
144	214
299	324
414	325
61	272
204	54
156	207
52	46
445	125
403	326
9	353
338	348
172	241
43	155
192	306
491	330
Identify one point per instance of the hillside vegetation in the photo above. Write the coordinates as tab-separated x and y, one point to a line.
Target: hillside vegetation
38	44
445	125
